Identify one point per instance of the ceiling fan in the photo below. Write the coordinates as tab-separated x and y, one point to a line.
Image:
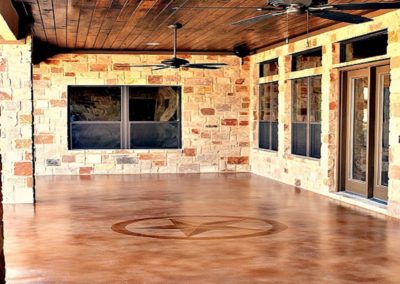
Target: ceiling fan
316	8
176	62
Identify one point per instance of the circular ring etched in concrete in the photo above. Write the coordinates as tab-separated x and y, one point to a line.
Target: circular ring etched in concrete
199	227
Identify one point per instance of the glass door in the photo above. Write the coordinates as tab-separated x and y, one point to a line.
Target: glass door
365	132
381	165
357	132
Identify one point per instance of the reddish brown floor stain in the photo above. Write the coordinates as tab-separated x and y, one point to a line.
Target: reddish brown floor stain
67	238
199	227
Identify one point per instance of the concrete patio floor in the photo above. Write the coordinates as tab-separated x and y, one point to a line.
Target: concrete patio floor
194	228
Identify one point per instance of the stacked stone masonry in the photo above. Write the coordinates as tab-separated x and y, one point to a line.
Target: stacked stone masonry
321	175
215	115
16	122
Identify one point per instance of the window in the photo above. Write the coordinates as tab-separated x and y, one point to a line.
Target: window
307	59
269	68
306	117
120	117
268	125
370	45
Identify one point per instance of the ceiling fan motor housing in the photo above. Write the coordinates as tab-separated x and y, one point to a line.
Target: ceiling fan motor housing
302	3
175	62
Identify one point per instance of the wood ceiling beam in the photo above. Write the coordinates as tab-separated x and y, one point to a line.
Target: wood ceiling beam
9	21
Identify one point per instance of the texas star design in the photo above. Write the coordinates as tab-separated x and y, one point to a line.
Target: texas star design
192	229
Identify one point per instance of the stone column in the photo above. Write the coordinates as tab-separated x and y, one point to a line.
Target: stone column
394	127
16	122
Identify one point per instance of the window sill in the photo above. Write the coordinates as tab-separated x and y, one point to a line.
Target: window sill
305	158
266	151
361	61
311	72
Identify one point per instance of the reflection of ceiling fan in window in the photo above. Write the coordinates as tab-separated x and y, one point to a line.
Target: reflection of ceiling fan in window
176	62
315	8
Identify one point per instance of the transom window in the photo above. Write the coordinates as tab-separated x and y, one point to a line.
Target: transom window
124	117
374	44
268	124
306	117
269	68
307	59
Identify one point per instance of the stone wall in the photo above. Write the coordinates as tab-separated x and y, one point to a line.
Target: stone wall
215	115
15	122
321	175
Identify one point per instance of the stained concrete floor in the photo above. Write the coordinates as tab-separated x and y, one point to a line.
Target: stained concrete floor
208	228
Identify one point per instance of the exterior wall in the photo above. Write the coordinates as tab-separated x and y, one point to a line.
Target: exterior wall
321	175
15	122
215	115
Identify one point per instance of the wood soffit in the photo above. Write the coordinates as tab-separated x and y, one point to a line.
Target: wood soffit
127	25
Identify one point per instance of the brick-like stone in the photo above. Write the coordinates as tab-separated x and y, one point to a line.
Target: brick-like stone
189	152
53	162
58	103
68	159
23	168
155	79
127	160
44	139
229	122
98	67
5	96
238	160
207	111
85	170
23	143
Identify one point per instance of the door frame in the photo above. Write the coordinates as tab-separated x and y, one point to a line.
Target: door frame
342	122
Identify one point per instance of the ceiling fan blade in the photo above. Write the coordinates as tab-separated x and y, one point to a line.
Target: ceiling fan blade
150	65
367	6
209	64
257	18
160	68
227	8
341	17
199	66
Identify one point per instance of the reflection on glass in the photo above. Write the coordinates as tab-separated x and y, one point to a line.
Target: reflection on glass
309	59
155	135
264	135
269	68
384	167
96	136
153	103
268	126
360	128
356	48
315	141
274	136
299	139
265	102
300	100
95	103
315	100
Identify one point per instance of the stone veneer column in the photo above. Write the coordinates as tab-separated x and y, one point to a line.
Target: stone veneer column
15	122
394	128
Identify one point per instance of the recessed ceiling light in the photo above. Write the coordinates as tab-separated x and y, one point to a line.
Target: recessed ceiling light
152	43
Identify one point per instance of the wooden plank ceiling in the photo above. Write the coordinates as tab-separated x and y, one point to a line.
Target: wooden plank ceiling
131	24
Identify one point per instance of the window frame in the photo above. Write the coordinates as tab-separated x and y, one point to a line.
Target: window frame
343	43
270	121
261	69
125	123
304	52
308	122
